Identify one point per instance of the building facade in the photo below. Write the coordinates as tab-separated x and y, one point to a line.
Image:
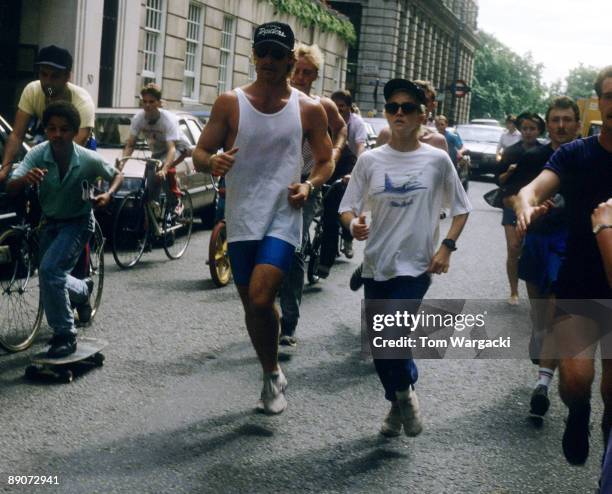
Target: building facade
194	49
433	40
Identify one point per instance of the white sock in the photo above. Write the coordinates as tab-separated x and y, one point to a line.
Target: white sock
545	376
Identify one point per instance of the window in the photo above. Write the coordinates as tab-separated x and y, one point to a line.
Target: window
195	129
153	54
187	137
338	73
226	62
193	53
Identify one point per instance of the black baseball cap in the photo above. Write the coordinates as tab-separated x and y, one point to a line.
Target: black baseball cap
407	86
274	32
54	56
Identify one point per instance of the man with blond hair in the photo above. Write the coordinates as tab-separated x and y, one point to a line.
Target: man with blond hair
305	72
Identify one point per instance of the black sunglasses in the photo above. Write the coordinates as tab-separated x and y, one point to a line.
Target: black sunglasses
276	52
391	108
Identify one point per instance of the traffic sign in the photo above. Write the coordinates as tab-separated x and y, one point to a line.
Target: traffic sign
460	88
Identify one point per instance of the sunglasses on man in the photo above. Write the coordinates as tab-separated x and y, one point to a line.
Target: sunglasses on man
391	108
276	52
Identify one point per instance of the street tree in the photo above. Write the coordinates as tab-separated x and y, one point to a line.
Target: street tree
504	81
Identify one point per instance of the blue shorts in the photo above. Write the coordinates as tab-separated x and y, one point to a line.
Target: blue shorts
245	255
541	258
508	217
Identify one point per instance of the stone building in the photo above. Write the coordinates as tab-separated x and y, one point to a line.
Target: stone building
194	49
417	39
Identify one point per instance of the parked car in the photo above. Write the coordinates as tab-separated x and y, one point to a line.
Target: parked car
112	131
485	121
374	126
481	142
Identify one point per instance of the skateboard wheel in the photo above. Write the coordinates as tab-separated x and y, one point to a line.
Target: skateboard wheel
31	372
98	359
66	376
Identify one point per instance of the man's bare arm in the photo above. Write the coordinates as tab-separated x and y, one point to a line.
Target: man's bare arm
384	136
213	138
129	146
440	262
527	202
320	143
82	136
339	131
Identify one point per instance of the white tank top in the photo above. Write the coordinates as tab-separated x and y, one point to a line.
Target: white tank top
269	159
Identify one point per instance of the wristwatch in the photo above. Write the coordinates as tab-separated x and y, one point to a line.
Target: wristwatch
449	243
311	185
600	227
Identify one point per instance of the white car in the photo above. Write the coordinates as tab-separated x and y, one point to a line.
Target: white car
112	131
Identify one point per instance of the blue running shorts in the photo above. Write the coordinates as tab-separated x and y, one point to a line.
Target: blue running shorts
541	258
246	254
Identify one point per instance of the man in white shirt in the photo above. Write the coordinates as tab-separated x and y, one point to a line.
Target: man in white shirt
54	71
510	136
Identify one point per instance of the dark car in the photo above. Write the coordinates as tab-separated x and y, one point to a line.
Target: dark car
481	141
112	131
7	209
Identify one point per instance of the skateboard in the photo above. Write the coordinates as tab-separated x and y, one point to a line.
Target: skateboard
62	369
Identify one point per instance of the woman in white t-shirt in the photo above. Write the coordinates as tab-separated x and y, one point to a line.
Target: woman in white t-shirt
406	183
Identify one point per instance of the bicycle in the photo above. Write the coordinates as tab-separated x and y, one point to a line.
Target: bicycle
140	220
218	257
21	309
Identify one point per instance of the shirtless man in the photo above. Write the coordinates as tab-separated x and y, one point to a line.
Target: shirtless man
261	127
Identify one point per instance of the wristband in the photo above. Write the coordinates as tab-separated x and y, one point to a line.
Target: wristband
311	185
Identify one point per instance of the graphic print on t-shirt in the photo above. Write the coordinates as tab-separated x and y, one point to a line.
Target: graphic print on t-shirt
412	184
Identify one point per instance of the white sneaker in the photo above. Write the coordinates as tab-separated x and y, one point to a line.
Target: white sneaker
410	412
273	399
392	425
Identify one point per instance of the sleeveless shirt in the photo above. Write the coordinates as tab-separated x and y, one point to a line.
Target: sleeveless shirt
269	159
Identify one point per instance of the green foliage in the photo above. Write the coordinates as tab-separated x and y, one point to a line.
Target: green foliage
580	81
504	82
314	13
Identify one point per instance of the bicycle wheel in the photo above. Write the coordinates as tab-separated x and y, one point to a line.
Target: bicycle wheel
218	258
130	231
96	267
315	257
21	310
178	222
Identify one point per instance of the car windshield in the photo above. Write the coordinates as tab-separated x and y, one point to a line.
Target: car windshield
479	134
112	130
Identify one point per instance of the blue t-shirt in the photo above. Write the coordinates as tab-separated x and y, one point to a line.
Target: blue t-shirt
454	143
585	170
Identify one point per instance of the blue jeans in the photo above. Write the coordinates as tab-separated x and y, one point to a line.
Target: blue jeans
290	292
397	374
61	244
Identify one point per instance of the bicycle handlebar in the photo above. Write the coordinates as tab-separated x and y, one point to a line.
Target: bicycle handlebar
120	162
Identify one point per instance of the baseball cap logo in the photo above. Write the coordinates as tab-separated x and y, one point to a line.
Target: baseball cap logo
265	31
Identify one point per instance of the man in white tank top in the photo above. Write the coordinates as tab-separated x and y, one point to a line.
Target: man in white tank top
260	127
306	70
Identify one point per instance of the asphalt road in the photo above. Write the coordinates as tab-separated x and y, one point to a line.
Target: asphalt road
172	410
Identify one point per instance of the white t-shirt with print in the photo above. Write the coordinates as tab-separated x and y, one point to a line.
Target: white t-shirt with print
158	133
405	191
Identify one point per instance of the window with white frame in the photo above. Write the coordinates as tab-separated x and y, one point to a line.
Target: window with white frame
193	52
226	61
153	47
338	73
